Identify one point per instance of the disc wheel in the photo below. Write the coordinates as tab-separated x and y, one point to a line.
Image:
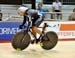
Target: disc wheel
49	41
21	41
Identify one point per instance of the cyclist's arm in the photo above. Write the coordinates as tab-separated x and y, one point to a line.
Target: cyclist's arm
24	20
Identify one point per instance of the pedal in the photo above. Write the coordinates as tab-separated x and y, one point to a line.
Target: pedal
32	41
37	41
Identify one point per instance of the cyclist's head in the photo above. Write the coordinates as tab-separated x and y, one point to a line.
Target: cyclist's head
22	10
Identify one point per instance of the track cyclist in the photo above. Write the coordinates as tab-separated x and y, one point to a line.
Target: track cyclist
34	16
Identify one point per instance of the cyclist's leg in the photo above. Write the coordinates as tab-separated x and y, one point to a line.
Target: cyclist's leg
35	25
35	30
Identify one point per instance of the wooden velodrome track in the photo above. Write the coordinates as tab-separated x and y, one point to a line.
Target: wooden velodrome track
64	49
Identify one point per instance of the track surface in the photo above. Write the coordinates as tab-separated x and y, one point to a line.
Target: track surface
64	49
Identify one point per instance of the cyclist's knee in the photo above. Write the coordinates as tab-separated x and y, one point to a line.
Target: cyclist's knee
33	29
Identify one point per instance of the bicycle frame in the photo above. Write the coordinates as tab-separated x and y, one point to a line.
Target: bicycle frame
28	29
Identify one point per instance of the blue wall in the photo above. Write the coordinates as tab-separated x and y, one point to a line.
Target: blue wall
8	29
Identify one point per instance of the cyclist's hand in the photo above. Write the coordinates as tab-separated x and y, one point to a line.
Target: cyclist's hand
21	26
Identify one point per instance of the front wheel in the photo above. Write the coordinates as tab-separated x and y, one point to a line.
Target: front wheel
21	41
49	40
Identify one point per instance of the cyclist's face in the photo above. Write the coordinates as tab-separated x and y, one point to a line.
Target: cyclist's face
22	14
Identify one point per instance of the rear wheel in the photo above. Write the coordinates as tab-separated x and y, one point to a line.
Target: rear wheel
49	41
21	41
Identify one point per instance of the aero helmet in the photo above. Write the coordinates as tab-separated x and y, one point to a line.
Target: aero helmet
22	9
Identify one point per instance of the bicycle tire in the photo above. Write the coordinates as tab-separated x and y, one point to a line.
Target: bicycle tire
51	42
21	41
